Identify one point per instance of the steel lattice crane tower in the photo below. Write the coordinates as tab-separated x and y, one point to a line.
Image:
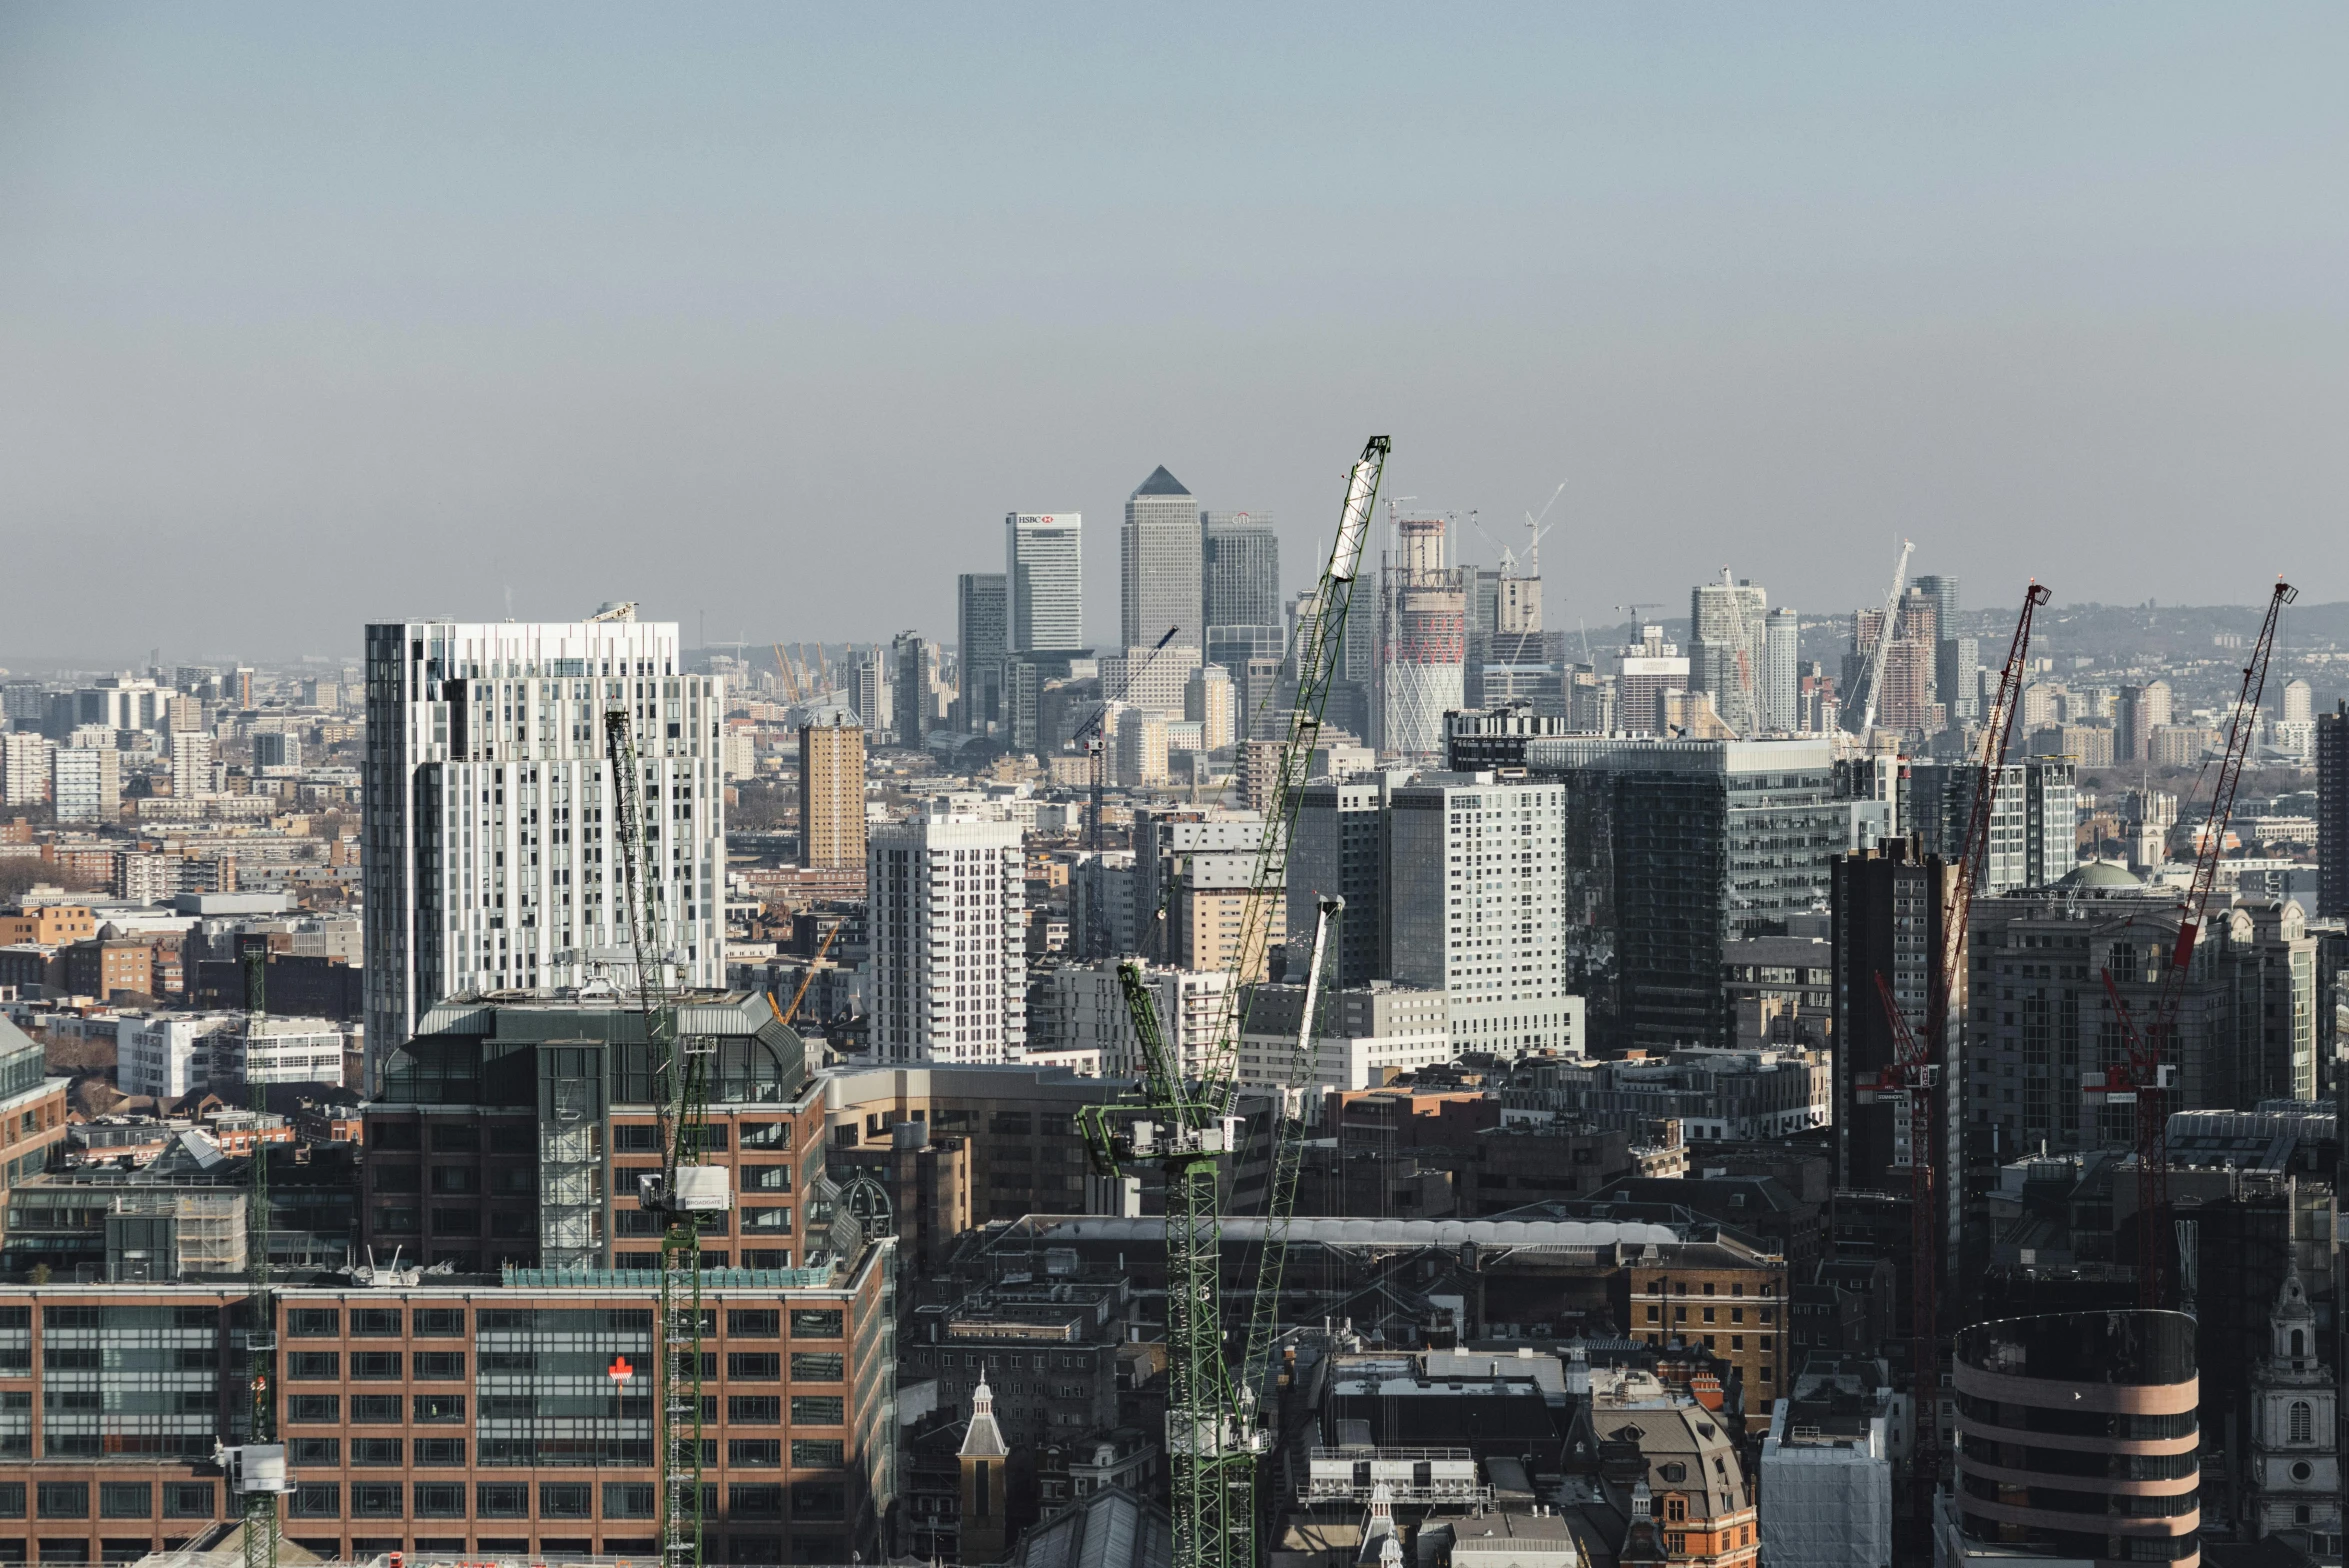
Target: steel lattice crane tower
2149	1073
1915	1076
256	1469
1185	1126
685	1189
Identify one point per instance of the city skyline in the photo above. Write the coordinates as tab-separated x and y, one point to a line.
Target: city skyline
1769	289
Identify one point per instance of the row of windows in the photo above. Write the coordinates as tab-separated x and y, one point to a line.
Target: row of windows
374	1322
325	1366
116	1499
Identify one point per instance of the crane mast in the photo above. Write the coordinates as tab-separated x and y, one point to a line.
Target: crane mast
1186	1126
685	1187
2149	1070
1913	1079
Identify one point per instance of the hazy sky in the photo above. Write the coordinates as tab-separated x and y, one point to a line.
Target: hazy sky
316	314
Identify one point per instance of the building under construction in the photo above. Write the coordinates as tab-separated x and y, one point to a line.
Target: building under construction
1422	641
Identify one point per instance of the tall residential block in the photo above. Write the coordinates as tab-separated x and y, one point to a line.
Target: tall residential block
947	924
2034	824
1044	581
2332	807
85	783
1644	671
1781	664
490	853
1211	702
982	640
24	768
832	795
1240	569
2140	711
913	673
1475	908
1159	565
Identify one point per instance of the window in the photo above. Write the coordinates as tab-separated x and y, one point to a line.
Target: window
754	1366
456	1222
438	1365
763	1451
317	1500
2299	1422
501	1500
375	1499
455	1179
377	1452
313	1366
817	1453
68	1550
430	1408
439	1451
187	1499
438	1322
399	1178
398	1219
818	1366
819	1500
768	1217
1675	1509
327	1451
562	1499
755	1502
65	1499
375	1409
456	1140
754	1409
11	1499
126	1500
630	1500
375	1323
440	1499
817	1410
816	1323
766	1178
759	1324
309	1408
376	1366
313	1322
636	1138
766	1135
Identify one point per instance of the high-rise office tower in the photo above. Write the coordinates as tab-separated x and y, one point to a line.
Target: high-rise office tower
1905	701
1887	907
2332	811
1726	649
1781	658
1421	673
913	669
949	939
1044	568
1240	564
1474	909
1159	566
1673	848
491	857
1942	590
2123	1387
2299	705
982	640
832	795
1340	847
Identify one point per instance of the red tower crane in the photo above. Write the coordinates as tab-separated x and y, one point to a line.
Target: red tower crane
1914	1077
2149	1073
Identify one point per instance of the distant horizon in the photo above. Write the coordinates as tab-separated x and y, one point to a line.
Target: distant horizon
758	648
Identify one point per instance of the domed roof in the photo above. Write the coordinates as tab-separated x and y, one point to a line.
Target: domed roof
2099	873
